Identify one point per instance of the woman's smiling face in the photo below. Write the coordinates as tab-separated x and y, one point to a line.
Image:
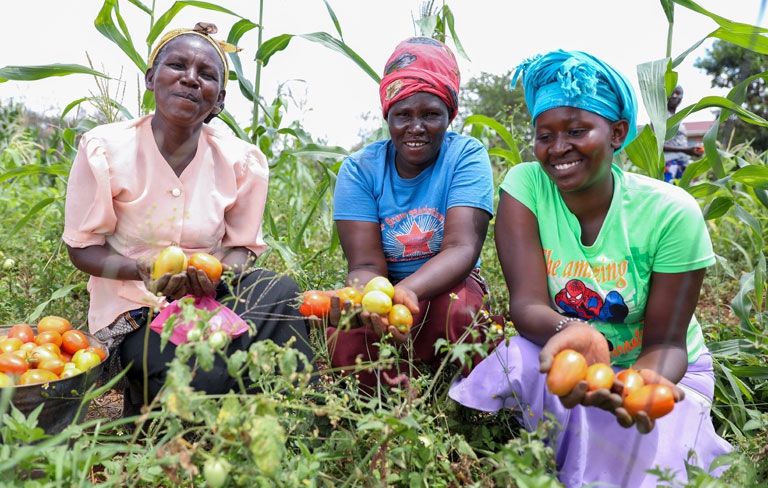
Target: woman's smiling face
187	80
575	147
417	127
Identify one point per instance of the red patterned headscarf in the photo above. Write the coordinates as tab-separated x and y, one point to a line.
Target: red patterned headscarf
421	64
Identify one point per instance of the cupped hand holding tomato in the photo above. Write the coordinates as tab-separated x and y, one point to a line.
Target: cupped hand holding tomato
167	285
632	416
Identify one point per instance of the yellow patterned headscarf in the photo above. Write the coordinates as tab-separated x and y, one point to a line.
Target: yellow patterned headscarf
204	30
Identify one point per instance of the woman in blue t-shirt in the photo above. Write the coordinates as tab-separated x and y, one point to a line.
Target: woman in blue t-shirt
414	208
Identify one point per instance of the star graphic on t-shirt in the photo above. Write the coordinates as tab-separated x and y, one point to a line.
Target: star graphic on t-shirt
415	241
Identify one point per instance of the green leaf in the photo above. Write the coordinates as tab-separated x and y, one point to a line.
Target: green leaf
718	208
752	175
162	22
501	130
121	37
32	73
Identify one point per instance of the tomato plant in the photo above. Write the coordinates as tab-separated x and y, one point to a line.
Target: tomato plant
600	375
207	263
380	283
655	400
170	260
53	323
400	317
568	368
377	301
74	340
215	472
315	303
218	339
631	381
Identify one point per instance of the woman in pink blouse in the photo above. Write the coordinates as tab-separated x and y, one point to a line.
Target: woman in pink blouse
164	179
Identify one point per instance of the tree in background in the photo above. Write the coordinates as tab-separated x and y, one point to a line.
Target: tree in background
491	95
729	65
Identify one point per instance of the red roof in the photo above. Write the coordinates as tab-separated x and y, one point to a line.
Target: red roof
698	128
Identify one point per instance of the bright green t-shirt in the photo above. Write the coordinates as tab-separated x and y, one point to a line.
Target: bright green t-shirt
651	226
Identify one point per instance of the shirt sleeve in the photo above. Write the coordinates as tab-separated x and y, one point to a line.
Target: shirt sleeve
89	215
684	241
244	218
353	197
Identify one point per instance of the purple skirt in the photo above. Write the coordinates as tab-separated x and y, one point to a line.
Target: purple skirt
591	446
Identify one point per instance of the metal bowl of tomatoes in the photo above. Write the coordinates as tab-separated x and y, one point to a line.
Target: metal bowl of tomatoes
49	377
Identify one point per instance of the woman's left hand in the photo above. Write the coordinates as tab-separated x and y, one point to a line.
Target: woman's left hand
643	422
198	283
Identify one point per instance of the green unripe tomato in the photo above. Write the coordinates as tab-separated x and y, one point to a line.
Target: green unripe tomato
215	472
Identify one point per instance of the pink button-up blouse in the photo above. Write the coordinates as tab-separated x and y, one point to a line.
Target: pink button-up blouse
122	192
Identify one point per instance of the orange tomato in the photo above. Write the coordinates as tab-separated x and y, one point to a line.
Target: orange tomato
54	365
350	293
315	303
600	375
377	301
208	263
11	344
34	376
99	351
568	368
12	364
400	317
631	380
23	332
51	347
655	400
74	340
48	337
53	323
170	260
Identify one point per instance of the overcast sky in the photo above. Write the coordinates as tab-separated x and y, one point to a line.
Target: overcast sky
333	93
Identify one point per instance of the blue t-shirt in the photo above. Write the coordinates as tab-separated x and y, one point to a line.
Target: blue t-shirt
411	212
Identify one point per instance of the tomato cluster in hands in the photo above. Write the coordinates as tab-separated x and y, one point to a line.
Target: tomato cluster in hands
208	263
377	295
53	352
656	400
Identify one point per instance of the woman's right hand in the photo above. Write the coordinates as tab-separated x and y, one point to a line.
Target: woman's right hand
167	285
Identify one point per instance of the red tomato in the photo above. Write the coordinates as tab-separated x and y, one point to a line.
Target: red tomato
655	400
400	317
631	380
568	368
11	364
377	301
23	332
74	340
49	336
53	323
34	376
380	283
208	263
600	375
315	303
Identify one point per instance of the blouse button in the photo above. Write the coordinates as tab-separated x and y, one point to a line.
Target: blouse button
175	192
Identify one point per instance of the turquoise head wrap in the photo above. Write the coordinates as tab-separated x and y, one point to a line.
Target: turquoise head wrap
577	79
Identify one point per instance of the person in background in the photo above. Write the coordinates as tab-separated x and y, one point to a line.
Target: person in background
170	179
415	208
609	264
677	151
